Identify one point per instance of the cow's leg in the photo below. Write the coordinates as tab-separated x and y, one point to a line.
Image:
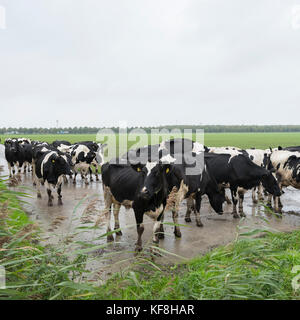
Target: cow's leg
75	175
177	231
116	208
84	174
161	232
91	174
235	199
254	200
59	184
96	172
107	211
197	210
38	188
241	195
9	169
140	229
34	177
59	195
19	168
269	202
260	192
227	199
49	192
189	205
65	179
24	167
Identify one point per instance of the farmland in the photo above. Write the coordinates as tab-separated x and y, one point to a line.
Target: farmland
242	140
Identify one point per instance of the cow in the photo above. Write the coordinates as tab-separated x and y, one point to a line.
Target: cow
154	152
14	155
191	179
140	186
239	173
261	158
50	167
82	159
98	148
287	166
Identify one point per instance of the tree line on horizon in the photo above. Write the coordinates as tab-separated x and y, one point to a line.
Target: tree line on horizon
206	128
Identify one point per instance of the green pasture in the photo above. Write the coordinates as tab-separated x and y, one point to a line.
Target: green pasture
241	140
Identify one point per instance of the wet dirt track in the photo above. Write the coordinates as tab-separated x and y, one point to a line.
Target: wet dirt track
83	205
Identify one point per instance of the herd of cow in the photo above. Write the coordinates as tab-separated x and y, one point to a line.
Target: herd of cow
156	178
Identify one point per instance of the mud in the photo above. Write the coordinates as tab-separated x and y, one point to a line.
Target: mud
83	206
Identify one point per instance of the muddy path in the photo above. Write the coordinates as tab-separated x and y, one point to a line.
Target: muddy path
83	206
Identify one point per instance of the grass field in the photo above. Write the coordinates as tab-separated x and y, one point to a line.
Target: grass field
241	140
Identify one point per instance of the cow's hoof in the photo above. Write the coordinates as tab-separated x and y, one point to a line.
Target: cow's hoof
60	203
269	205
235	215
138	249
188	220
50	204
39	195
199	224
119	233
34	184
177	234
242	214
161	235
255	201
110	238
74	182
156	240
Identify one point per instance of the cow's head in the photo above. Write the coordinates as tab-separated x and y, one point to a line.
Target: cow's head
58	166
216	198
13	145
154	177
270	183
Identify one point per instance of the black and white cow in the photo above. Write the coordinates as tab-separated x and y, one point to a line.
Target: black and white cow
287	166
192	179
49	167
82	159
98	160
239	173
14	155
143	187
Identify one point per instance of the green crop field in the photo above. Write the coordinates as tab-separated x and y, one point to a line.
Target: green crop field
241	140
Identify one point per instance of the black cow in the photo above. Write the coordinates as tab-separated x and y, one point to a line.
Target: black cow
50	167
14	155
156	151
241	174
192	178
143	187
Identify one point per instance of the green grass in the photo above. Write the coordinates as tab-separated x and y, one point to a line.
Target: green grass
247	269
242	140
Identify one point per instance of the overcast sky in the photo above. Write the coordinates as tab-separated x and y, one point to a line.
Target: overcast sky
149	62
